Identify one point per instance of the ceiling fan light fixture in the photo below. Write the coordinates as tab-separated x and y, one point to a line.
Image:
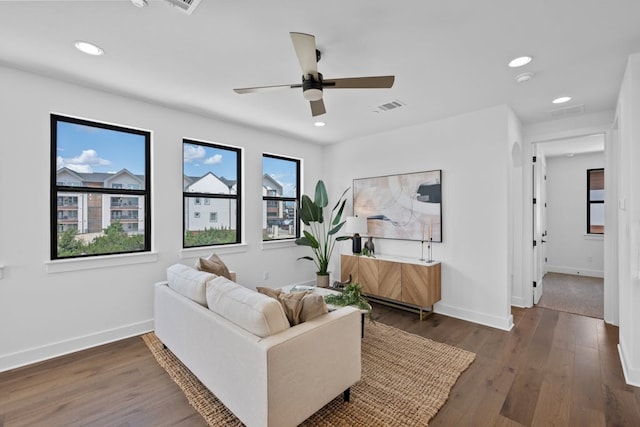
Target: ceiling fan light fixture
313	94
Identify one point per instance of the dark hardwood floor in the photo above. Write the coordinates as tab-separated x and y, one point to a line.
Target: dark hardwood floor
553	368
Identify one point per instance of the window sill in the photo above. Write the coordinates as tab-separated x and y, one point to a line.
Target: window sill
76	264
208	250
278	244
594	237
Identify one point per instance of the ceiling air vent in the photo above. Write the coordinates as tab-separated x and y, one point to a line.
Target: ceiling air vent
187	6
390	106
561	113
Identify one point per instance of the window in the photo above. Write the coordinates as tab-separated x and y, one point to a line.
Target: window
280	196
92	211
595	201
211	177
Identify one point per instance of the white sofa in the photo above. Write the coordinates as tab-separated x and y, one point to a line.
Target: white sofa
279	380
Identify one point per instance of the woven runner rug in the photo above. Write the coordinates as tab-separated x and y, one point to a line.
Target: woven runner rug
405	381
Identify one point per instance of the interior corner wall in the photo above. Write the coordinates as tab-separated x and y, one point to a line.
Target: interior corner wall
472	151
46	314
628	120
517	170
569	249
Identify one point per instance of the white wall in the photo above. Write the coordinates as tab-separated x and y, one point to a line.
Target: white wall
516	227
473	151
628	157
569	249
47	309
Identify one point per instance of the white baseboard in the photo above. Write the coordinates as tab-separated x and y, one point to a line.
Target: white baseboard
506	323
49	351
574	271
631	376
519	302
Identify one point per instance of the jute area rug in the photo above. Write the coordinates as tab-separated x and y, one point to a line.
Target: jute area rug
405	381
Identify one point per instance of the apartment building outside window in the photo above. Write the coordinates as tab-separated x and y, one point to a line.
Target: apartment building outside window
211	194
280	196
100	189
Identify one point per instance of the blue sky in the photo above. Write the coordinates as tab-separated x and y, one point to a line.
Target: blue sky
90	149
200	159
283	171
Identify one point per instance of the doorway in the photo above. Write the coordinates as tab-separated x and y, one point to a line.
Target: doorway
568	257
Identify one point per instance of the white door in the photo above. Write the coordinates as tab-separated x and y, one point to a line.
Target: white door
539	225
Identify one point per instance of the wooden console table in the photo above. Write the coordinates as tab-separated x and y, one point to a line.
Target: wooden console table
401	282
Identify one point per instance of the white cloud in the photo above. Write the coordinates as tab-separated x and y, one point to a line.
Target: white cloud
193	152
217	158
83	163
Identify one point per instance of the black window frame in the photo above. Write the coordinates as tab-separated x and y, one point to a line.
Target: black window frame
55	187
592	202
204	196
295	200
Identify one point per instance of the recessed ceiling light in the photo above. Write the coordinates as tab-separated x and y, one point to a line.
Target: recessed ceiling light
524	77
88	48
319	124
561	100
519	62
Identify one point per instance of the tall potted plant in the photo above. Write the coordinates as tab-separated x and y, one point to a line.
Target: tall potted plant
320	235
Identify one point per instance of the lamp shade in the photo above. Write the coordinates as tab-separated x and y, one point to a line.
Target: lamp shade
356	225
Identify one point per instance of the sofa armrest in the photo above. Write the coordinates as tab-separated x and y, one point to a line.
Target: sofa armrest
312	363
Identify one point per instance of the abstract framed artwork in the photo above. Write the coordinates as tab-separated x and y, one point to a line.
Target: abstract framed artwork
406	206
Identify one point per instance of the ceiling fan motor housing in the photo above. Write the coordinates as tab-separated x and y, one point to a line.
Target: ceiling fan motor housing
312	88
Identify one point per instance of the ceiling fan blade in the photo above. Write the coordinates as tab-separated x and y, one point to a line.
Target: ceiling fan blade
317	108
377	82
266	88
305	46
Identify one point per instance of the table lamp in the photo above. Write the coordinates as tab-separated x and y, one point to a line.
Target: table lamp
356	225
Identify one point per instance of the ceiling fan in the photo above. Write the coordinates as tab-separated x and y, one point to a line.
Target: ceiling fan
313	83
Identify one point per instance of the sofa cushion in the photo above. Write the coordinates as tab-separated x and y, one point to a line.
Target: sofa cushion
214	265
189	282
257	313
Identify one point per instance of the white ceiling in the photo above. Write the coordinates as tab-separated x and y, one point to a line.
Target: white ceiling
571	146
449	57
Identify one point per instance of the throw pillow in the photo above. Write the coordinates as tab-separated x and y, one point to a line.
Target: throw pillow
292	305
313	306
214	265
270	292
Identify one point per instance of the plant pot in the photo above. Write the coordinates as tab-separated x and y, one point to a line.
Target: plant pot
322	280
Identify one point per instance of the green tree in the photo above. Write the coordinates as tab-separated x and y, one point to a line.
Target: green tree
115	240
209	236
68	244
